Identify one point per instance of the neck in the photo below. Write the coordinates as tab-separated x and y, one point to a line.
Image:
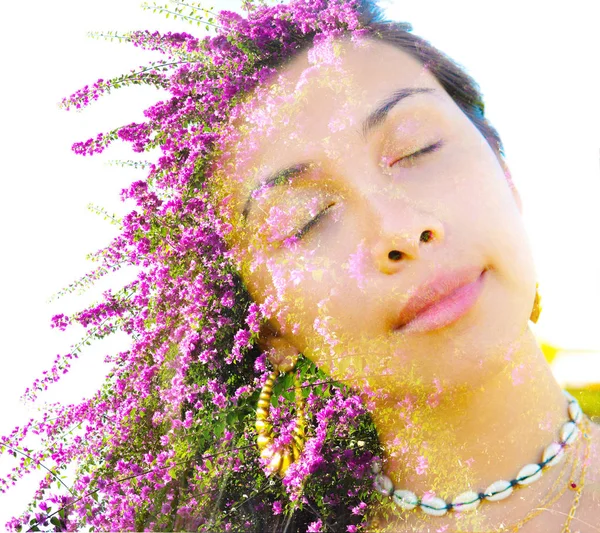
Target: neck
467	439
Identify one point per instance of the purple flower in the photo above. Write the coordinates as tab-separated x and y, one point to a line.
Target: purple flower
315	527
188	345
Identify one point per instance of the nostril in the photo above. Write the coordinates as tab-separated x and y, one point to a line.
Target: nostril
426	236
394	255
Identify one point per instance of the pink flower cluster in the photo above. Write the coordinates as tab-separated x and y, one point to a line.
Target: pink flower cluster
176	412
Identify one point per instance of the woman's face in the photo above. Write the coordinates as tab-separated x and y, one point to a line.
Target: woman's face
314	243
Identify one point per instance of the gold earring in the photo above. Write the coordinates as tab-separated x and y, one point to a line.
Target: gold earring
279	459
537	306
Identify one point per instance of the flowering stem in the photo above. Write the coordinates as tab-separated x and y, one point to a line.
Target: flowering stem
259	491
318	515
177	14
130	477
41	464
179	3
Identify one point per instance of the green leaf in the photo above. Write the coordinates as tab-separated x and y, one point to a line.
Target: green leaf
219	429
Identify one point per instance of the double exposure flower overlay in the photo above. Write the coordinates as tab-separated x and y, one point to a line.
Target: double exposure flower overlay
168	442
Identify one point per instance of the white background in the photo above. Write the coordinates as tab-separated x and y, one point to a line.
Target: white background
535	61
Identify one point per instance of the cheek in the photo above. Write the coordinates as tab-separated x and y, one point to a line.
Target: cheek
307	302
295	288
490	219
473	192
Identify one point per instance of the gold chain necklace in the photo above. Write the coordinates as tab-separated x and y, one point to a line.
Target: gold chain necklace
579	487
551	500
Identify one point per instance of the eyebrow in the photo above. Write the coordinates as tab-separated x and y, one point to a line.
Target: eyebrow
285	175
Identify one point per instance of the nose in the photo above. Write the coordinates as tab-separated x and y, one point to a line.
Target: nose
403	232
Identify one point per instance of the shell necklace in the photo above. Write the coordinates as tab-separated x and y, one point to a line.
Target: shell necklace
498	490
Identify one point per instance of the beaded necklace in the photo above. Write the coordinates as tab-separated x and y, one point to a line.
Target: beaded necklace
499	490
569	484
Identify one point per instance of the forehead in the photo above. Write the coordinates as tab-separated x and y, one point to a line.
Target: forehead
318	99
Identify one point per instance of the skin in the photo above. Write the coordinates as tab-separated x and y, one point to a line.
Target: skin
456	408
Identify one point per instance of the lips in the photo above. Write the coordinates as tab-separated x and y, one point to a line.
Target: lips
435	291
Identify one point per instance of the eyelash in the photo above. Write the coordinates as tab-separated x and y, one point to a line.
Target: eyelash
428	149
312	222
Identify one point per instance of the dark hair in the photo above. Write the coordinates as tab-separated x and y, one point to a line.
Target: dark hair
461	87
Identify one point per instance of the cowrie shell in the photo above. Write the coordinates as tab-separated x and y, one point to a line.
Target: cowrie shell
405	499
568	432
529	473
575	412
384	485
433	506
376	466
555	451
498	490
467	501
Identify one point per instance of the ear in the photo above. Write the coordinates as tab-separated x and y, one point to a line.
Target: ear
510	182
281	353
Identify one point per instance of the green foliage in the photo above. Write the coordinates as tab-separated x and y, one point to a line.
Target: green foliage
112	218
589	399
191	12
130	163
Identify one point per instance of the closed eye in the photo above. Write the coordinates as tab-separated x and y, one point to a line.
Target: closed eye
312	222
409	159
